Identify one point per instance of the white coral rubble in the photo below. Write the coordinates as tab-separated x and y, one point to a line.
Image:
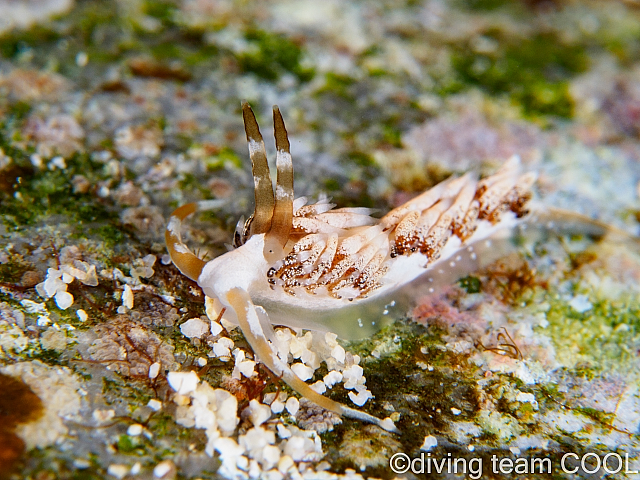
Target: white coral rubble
267	450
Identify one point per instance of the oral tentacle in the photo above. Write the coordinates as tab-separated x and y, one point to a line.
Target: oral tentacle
186	261
282	220
251	326
263	189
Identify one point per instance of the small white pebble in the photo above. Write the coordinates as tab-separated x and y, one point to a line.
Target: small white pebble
331	378
127	297
81	463
455	411
283	432
63	299
525	397
258	412
220	349
154	404
352	376
285	463
194	328
154	370
246	367
183	382
82	315
292	405
201	361
302	371
103	415
514	450
163	468
215	328
330	338
471	448
270	457
319	387
388	424
57	162
429	442
135	470
36	160
169	299
82	59
277	406
581	303
338	353
118	470
361	397
33	307
134	430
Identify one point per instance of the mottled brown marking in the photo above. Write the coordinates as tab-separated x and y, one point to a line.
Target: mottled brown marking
18	404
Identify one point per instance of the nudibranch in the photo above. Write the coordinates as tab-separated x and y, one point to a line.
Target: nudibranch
294	263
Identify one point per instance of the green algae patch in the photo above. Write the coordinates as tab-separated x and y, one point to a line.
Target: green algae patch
604	337
164	11
272	55
367	450
416	380
35	194
470	284
533	72
15	43
485	5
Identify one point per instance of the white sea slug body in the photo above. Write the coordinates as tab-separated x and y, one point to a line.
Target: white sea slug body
295	264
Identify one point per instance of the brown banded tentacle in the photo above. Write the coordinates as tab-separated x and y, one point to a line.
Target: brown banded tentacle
188	263
282	221
263	190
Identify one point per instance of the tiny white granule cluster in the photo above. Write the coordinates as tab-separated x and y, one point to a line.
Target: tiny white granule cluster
312	348
70	269
140	268
268	449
